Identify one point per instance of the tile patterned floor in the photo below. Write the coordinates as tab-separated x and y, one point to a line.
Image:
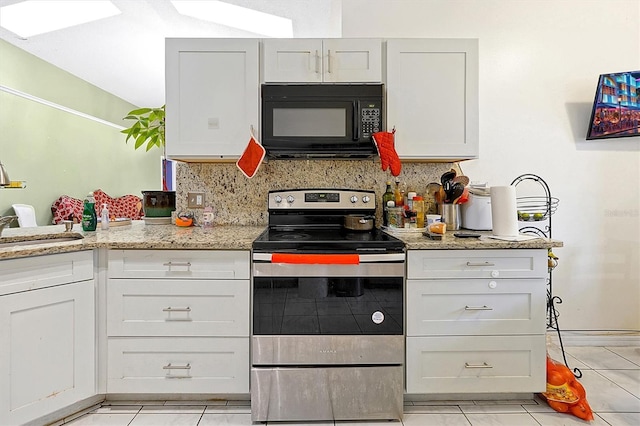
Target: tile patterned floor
611	376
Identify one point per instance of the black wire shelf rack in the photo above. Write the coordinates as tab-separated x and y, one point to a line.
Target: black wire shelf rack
534	217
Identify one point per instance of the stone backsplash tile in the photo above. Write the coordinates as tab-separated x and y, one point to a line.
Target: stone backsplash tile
237	200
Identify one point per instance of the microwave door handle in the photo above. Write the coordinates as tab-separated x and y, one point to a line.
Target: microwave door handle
356	121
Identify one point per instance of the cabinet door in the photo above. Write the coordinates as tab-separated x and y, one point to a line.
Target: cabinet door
352	60
472	364
292	60
316	61
177	307
178	365
475	306
47	350
432	97
212	93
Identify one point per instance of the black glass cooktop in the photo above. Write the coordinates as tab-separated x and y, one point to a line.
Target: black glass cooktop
327	241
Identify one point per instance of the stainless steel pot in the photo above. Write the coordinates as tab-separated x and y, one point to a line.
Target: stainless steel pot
358	222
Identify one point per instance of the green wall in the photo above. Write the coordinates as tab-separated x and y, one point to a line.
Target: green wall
59	153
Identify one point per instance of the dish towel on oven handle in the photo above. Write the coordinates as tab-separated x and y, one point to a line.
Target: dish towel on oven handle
384	142
321	259
251	159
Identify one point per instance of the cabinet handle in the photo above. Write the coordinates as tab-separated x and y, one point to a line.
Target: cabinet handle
317	63
483	365
329	61
480	264
170	309
174	264
478	308
177	367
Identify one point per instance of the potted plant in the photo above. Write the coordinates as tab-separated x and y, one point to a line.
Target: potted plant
148	127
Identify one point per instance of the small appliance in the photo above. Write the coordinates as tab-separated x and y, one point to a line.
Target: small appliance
476	213
321	120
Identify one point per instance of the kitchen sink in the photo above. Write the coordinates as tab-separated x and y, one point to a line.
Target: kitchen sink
38	240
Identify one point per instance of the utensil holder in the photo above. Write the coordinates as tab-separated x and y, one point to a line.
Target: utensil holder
450	215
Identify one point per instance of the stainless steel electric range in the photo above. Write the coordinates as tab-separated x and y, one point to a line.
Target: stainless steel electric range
328	329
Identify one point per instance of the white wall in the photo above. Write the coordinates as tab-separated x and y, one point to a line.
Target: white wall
539	65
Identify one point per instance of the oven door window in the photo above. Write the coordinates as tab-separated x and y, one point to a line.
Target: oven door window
317	121
326	306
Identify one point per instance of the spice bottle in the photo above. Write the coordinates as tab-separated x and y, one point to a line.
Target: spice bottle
418	207
386	197
398	194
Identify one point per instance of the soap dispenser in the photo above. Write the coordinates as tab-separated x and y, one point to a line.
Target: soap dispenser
104	217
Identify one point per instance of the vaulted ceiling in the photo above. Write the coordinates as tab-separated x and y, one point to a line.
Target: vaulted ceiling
124	54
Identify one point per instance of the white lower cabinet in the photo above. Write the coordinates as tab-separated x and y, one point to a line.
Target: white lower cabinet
47	335
178	321
178	365
476	321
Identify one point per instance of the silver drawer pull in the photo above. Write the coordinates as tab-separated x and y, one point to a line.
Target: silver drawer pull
483	365
478	308
177	264
177	367
481	264
170	309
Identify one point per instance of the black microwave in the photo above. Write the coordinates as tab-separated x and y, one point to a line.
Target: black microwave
321	120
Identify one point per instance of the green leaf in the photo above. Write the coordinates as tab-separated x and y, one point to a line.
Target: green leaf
140	140
139	111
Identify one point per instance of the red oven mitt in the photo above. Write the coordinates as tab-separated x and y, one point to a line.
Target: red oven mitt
384	142
251	158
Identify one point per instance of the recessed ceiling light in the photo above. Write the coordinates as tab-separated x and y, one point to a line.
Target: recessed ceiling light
237	17
35	17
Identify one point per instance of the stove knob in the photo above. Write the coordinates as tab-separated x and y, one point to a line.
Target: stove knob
290	199
353	199
278	199
366	199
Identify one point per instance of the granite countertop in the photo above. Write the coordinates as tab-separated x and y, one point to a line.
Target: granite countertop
417	241
138	235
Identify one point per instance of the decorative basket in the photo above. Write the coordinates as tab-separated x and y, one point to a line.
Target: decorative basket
536	208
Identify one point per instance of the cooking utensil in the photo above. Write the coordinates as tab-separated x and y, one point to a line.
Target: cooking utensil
358	222
464	197
462	179
447	177
455	192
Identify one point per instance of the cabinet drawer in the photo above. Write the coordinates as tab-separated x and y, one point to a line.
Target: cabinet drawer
477	263
183	264
476	306
177	307
476	364
30	273
178	365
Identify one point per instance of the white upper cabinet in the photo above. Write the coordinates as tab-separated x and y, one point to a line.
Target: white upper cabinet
212	96
322	60
432	97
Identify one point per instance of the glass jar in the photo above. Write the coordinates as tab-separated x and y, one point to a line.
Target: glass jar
418	207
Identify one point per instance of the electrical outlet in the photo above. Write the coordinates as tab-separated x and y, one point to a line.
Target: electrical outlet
195	200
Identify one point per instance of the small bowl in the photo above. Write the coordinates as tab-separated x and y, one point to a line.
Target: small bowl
184	222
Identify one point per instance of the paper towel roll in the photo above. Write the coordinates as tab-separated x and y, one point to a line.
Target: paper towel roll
504	211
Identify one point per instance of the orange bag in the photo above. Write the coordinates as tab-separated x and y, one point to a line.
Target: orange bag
564	393
251	158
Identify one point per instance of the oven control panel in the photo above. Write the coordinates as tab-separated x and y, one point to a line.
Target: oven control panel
319	199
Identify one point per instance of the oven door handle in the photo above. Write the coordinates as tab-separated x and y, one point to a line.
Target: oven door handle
364	258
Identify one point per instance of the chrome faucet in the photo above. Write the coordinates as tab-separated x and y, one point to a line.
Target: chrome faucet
6	220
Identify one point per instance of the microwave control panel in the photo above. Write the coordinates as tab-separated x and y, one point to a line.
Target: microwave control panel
370	120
